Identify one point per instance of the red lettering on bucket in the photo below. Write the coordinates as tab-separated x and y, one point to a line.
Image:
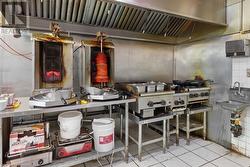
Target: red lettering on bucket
105	139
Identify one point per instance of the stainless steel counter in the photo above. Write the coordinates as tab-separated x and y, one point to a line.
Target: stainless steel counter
25	109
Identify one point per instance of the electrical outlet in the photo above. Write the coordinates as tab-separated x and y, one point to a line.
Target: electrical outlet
248	72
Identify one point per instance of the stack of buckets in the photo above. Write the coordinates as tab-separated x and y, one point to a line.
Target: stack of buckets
103	129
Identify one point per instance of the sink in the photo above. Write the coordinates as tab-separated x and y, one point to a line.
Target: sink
233	105
243	96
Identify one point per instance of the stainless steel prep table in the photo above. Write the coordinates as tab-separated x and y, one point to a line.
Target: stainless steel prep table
25	109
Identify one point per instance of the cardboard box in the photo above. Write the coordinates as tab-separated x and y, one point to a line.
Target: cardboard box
27	137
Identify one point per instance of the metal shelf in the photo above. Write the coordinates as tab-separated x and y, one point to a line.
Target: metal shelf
194	125
81	158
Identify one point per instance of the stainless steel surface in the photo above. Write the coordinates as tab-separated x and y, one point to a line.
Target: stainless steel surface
243	96
195	59
81	158
1	141
180	100
25	109
238	48
208	11
139	137
199	94
33	160
176	22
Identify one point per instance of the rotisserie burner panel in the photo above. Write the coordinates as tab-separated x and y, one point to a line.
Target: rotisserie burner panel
52	69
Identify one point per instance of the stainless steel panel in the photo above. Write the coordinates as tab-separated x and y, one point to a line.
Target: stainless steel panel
206	58
117	18
106	13
52	9
114	16
58	9
101	13
80	11
69	10
110	14
125	21
89	11
46	8
212	11
38	8
75	10
138	19
135	16
33	8
96	10
131	16
142	21
121	19
64	9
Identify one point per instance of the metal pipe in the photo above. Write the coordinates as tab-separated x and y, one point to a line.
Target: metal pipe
164	136
126	132
139	141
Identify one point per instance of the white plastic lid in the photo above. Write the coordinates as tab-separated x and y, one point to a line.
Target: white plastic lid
70	115
102	122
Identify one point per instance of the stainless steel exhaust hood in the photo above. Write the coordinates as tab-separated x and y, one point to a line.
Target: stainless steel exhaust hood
153	20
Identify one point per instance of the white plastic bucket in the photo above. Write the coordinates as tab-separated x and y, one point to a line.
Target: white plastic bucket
103	129
70	124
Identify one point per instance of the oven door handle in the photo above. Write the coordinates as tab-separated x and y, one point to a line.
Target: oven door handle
162	102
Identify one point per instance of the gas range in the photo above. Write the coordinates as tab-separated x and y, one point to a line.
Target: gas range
150	96
197	89
199	94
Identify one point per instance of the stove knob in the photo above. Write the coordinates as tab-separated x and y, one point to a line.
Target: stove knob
203	94
182	102
191	95
40	162
207	94
196	95
176	102
150	104
163	102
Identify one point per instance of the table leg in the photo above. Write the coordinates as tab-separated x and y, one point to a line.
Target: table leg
168	132
1	142
126	132
204	125
139	141
110	111
177	130
188	129
164	136
121	125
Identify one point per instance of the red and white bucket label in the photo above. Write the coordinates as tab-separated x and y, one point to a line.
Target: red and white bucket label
106	139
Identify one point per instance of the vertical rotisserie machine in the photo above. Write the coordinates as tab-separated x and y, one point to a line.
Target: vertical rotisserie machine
99	63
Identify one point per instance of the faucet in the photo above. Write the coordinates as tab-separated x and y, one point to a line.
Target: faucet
239	90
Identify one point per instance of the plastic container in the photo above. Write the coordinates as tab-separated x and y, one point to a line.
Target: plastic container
70	124
103	129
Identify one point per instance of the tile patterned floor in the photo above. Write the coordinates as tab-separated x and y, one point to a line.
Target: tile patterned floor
200	153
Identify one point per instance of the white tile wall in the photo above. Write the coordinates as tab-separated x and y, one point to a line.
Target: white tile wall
239	73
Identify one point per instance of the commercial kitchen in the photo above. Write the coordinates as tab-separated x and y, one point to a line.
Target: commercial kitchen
89	83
